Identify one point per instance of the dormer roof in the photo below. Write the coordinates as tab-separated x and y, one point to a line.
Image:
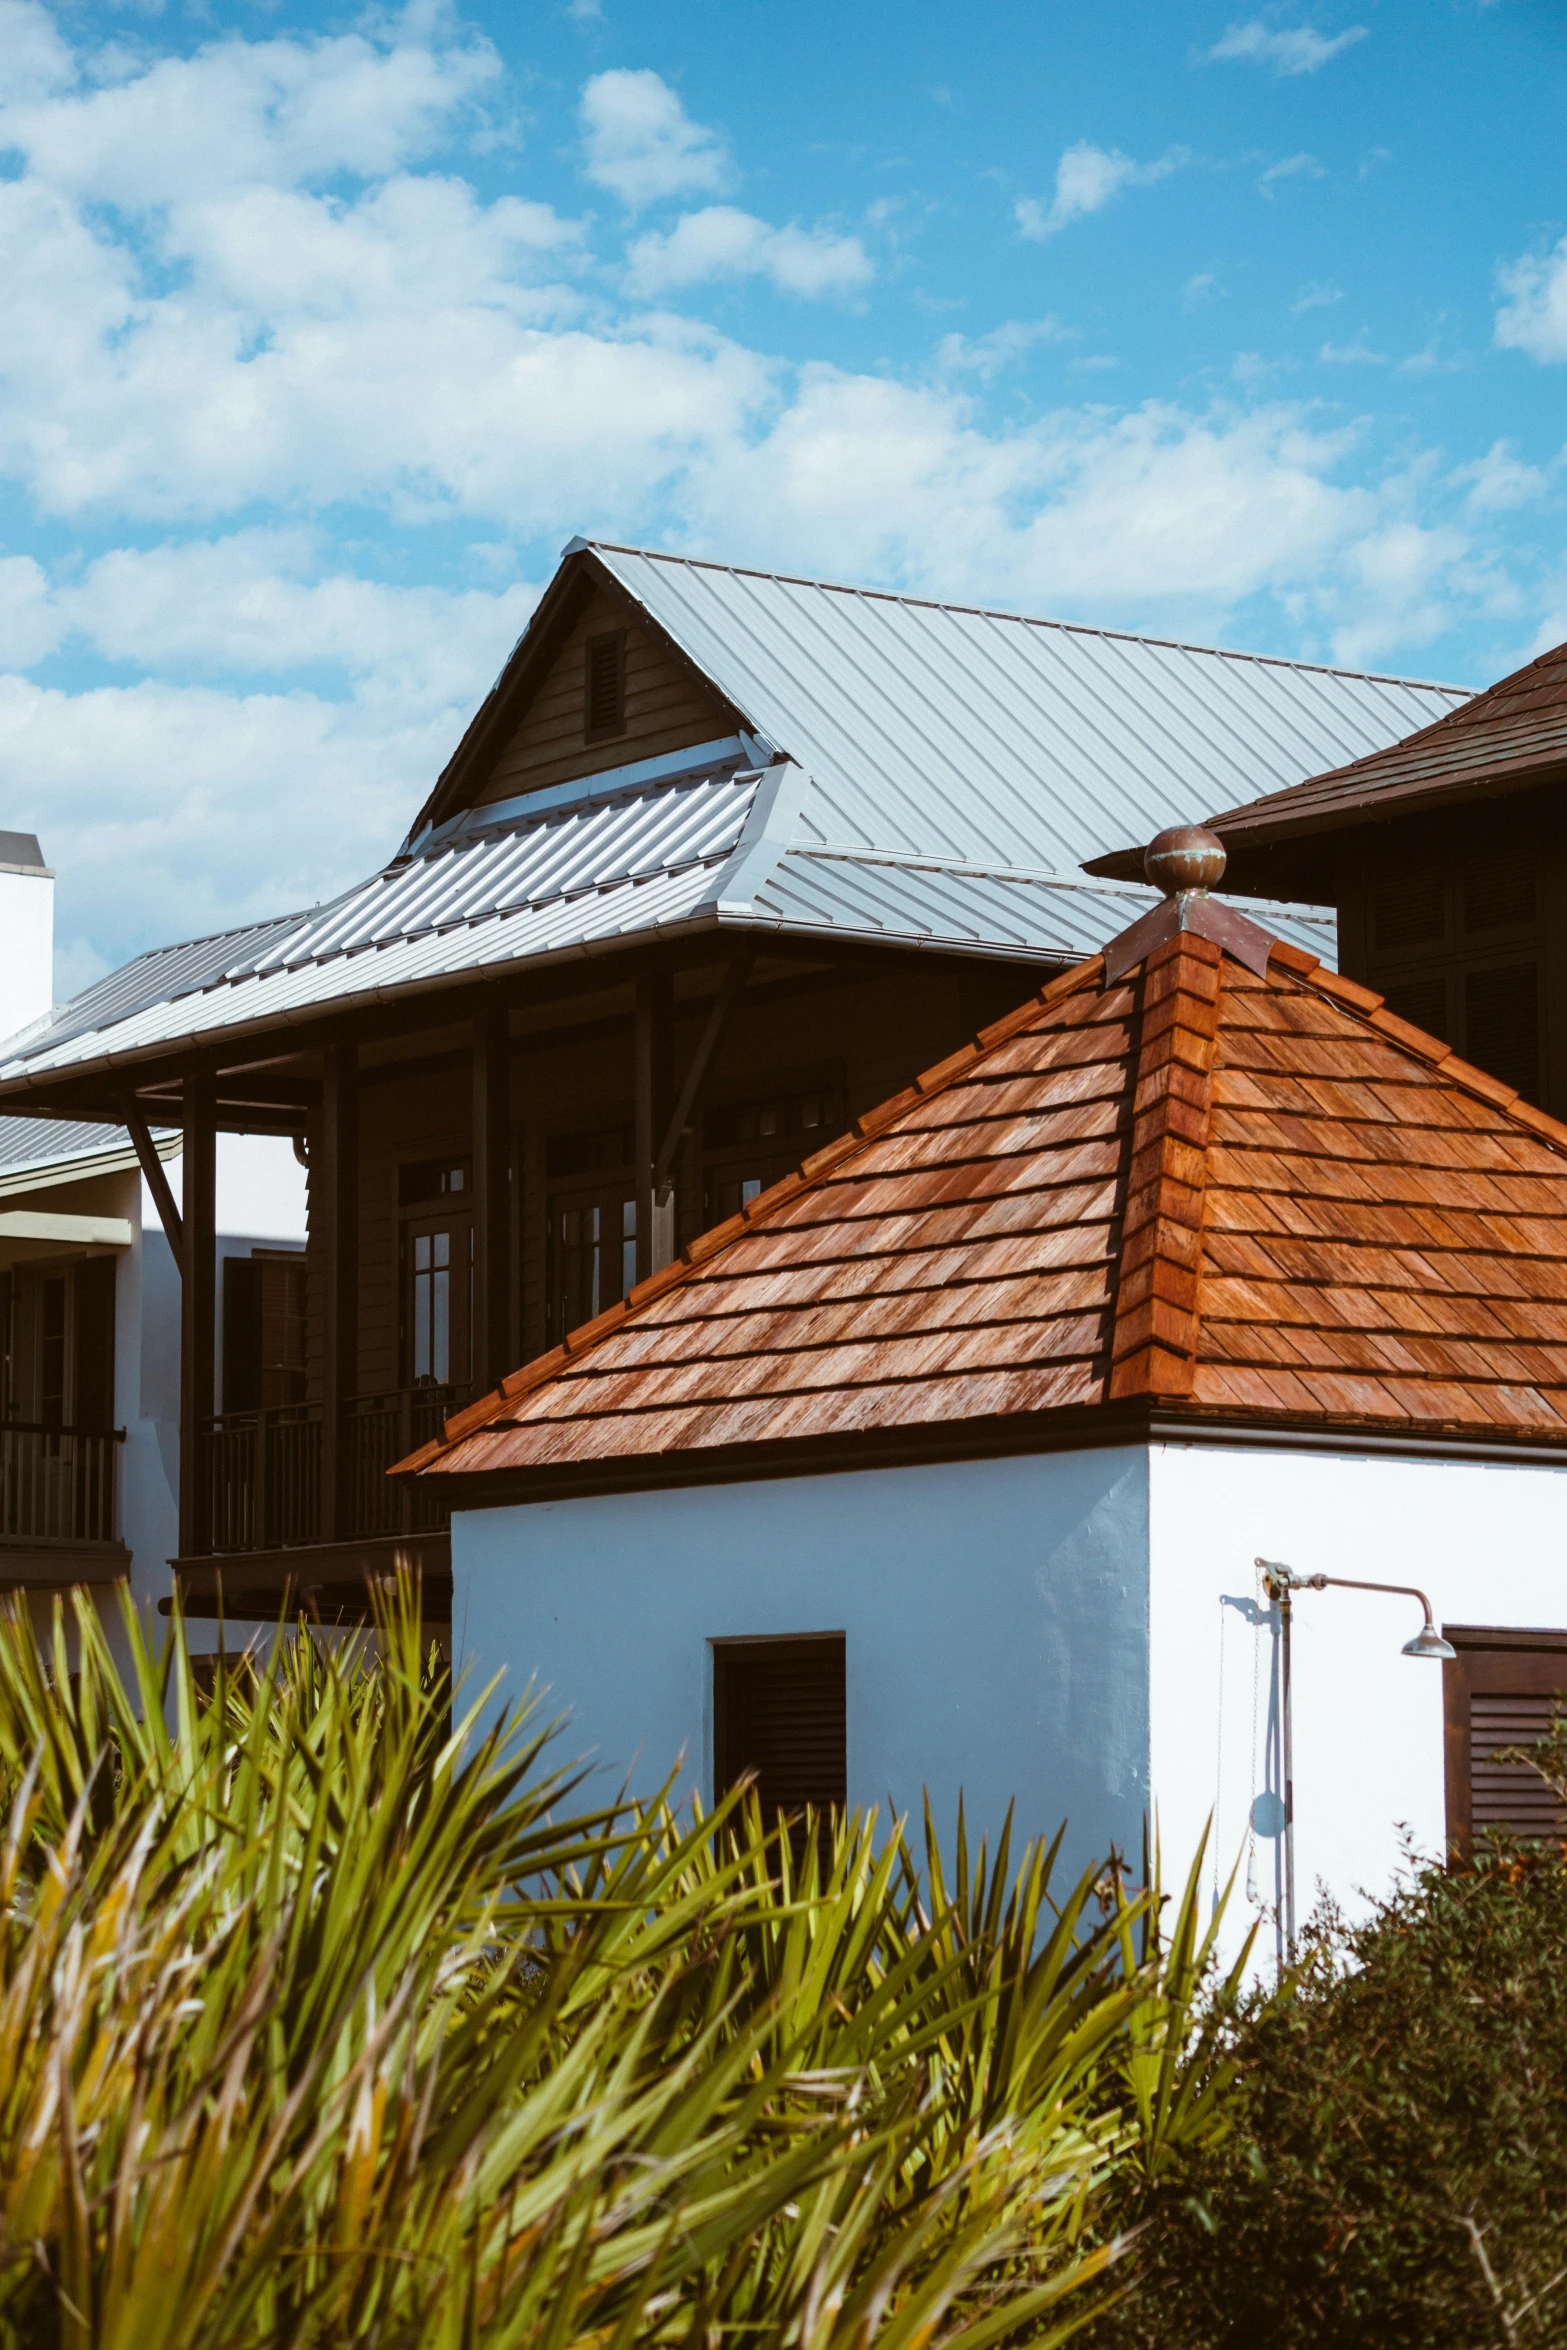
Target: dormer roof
1223	1183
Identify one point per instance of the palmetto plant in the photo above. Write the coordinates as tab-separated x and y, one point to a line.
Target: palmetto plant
323	2021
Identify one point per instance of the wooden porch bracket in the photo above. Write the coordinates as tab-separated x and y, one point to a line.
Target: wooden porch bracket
157	1178
728	996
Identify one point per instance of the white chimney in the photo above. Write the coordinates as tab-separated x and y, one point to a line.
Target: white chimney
26	932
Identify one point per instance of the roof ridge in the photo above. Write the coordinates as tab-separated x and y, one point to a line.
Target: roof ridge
1153	1349
1128	636
865	1130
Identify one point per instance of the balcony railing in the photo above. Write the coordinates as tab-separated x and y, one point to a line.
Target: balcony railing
266	1469
58	1484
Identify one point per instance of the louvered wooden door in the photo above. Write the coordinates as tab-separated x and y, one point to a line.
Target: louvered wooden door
779	1710
1501	1690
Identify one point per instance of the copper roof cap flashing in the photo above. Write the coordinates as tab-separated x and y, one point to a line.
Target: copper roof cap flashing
1187	862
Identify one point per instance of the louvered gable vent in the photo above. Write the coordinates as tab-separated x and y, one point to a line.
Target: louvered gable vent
605	690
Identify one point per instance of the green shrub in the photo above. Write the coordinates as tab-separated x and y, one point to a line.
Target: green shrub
1395	2172
322	2024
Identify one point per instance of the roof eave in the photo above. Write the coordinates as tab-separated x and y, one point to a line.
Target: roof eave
1087	1427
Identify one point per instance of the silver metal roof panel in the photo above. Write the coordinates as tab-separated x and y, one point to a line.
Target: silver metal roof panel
947	731
943	774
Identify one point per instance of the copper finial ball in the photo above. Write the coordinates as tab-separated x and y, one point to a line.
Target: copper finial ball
1188	856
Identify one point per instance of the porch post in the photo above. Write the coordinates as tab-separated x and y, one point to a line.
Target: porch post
338	1196
493	1354
198	1311
654	1049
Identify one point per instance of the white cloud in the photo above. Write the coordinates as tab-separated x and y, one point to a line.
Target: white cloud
640	143
1315	297
723	242
249	113
1291	167
1087	178
1499	481
325	329
1299	49
986	355
1356	354
1533	315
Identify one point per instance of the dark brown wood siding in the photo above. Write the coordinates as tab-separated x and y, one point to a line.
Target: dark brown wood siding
665	710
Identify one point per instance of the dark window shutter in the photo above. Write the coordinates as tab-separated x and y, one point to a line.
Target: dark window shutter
1502	1025
1411	907
779	1711
1500	1690
93	1404
241	1334
1499	891
1507	1794
1423	1003
605	685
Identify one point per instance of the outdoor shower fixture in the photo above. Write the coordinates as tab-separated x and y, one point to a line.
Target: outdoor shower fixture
1279	1581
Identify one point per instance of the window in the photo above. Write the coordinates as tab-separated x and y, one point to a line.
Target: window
59	1344
779	1711
1499	1692
264	1307
593	1254
604	685
1423	1003
749	1145
432	1179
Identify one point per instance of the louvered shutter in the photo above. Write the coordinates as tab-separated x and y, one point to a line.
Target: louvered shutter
1501	1691
1502	1024
779	1711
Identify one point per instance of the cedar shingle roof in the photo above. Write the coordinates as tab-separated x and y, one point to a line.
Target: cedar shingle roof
1511	736
1240	1197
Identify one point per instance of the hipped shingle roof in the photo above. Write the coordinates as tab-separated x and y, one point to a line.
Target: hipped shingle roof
1243	1197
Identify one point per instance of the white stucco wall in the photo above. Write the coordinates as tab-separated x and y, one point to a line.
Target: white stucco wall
994	1613
1488	1542
26	949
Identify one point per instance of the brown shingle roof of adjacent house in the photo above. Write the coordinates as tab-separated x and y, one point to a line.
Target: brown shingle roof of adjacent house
1239	1197
1512	736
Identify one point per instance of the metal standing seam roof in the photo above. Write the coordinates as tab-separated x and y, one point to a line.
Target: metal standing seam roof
1516	731
943	730
40	1151
1232	1194
950	770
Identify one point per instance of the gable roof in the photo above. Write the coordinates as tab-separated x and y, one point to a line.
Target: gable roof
903	771
1509	738
944	730
1236	1196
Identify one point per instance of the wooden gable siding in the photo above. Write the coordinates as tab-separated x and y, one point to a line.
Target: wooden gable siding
666	710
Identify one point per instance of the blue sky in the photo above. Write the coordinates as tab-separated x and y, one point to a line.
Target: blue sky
321	333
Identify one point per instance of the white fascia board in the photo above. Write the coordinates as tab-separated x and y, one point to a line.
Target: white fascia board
768	830
78	1231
